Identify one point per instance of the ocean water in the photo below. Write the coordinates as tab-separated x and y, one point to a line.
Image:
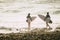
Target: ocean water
13	15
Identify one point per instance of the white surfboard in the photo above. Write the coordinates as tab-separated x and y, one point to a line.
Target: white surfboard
43	17
33	18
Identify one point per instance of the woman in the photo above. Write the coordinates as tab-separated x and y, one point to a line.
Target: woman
29	19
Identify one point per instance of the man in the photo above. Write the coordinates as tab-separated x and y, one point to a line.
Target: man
47	19
29	19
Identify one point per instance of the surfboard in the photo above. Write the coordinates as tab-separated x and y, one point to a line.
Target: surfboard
43	17
33	18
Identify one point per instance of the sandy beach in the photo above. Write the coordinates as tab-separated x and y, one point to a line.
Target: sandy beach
37	35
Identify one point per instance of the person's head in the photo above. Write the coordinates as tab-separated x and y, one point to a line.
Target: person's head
47	13
28	13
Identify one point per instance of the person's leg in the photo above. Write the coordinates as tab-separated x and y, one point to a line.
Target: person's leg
47	25
29	26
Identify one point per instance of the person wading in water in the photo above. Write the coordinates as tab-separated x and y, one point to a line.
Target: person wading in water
48	19
29	19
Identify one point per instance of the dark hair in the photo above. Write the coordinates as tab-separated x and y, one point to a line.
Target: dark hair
28	13
47	12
